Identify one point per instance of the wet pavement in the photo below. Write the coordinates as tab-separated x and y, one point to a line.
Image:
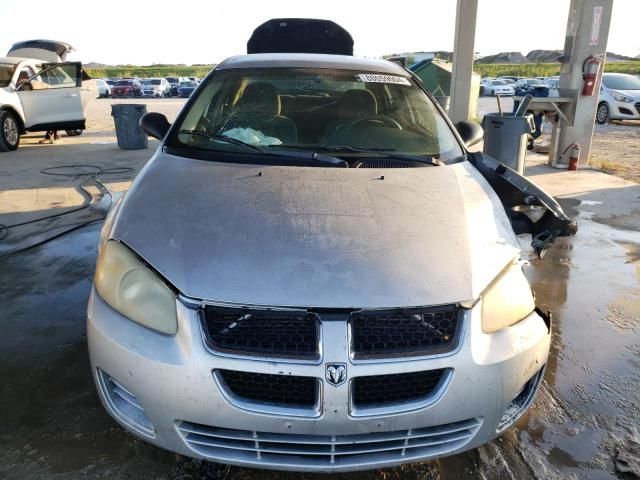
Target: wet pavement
584	424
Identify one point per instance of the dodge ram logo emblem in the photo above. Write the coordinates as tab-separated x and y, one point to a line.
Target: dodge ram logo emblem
336	373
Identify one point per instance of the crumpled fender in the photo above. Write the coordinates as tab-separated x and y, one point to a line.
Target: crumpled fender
519	195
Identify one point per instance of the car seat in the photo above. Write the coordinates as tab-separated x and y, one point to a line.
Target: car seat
259	108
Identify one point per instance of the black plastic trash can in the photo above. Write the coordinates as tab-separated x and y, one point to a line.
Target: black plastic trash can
126	117
505	138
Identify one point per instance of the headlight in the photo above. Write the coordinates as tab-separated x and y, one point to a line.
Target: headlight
621	97
507	300
132	289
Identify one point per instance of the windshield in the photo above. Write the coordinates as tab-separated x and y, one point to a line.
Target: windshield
6	72
124	83
155	81
316	110
187	84
621	82
536	83
499	82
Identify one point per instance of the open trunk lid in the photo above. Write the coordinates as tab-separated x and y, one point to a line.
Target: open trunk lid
46	50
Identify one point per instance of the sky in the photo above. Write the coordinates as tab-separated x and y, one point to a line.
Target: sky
208	31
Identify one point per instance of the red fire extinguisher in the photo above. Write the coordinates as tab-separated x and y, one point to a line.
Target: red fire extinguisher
574	156
590	70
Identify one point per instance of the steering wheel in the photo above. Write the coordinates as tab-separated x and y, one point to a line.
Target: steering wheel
384	120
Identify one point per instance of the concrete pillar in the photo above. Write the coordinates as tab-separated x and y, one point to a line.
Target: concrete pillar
587	35
460	108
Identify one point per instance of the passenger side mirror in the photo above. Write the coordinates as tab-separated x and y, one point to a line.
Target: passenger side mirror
155	125
470	132
24	87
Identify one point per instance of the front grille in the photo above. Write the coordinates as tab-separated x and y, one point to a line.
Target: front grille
383	390
401	333
262	333
267	389
322	452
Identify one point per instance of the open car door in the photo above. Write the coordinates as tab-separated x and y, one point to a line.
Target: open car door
51	99
531	209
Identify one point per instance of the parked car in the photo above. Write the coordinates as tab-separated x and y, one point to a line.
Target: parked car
174	82
484	83
40	93
552	82
533	86
156	87
305	305
619	98
127	88
498	87
186	89
104	89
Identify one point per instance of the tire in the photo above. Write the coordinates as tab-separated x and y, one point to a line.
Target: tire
74	133
602	113
9	132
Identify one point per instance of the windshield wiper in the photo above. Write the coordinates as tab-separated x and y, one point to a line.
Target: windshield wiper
379	152
312	158
222	138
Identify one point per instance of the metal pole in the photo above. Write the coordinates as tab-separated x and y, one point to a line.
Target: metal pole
587	35
466	13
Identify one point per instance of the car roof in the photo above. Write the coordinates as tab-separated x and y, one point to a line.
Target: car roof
612	74
16	60
312	60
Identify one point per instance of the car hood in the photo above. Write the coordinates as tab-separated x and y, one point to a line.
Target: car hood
317	237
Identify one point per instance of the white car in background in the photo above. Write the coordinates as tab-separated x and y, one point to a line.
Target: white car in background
39	91
156	87
498	87
104	89
619	98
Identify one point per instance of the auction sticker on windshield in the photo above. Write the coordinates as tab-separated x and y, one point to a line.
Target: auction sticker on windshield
377	78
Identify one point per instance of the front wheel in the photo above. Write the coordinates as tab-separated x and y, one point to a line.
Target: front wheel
602	114
9	132
74	133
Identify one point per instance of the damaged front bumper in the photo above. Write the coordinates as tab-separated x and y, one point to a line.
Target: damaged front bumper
165	389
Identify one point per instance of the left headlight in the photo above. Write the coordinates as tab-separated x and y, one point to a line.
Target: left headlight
621	97
507	300
134	290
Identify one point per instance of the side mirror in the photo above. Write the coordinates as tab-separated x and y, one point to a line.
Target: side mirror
470	132
155	125
25	87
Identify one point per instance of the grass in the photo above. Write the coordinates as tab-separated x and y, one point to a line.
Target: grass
546	69
152	71
492	70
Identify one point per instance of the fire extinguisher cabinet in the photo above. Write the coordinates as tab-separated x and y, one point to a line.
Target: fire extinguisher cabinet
506	137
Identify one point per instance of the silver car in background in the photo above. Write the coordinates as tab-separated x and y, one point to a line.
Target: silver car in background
313	273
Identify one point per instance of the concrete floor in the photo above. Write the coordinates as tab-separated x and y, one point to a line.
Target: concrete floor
584	424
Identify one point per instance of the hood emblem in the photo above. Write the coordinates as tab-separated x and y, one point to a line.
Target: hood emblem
336	373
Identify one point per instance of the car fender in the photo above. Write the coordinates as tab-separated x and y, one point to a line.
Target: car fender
9	100
520	197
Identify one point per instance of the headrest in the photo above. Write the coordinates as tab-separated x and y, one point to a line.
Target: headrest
260	98
357	103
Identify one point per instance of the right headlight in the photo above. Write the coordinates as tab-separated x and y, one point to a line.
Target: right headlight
507	300
134	290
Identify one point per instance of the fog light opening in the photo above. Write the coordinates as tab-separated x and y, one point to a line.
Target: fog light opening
520	403
125	405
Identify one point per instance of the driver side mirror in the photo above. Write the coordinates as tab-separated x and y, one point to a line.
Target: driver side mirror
155	125
470	132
